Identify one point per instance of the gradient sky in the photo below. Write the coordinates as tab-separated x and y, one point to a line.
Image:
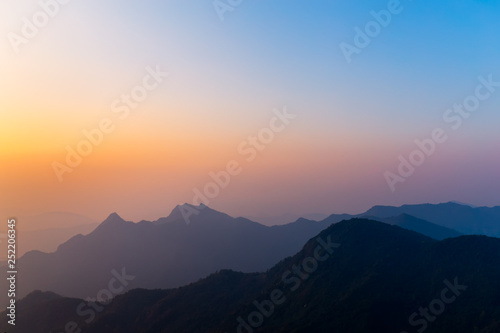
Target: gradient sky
353	120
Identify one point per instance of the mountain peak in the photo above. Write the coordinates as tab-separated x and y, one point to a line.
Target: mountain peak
113	218
189	209
185	212
303	220
189	206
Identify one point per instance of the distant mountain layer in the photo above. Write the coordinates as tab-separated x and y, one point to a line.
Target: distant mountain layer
46	231
405	221
52	220
169	252
465	219
285	218
421	226
355	276
163	254
49	239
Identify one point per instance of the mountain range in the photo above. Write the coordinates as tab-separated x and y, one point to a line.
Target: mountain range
169	253
461	218
357	275
162	254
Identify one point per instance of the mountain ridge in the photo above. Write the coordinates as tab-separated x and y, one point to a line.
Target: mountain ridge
372	282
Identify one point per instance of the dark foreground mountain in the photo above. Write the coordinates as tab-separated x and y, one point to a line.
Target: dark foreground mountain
356	276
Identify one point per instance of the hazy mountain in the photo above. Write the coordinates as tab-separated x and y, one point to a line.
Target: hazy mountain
49	239
465	219
45	232
335	218
405	221
52	220
184	252
437	221
162	254
421	226
463	203
380	278
285	218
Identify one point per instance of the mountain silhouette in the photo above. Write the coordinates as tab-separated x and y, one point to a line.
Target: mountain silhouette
421	226
165	253
375	279
402	220
462	218
173	251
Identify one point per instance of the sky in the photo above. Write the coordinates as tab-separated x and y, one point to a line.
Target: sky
231	70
